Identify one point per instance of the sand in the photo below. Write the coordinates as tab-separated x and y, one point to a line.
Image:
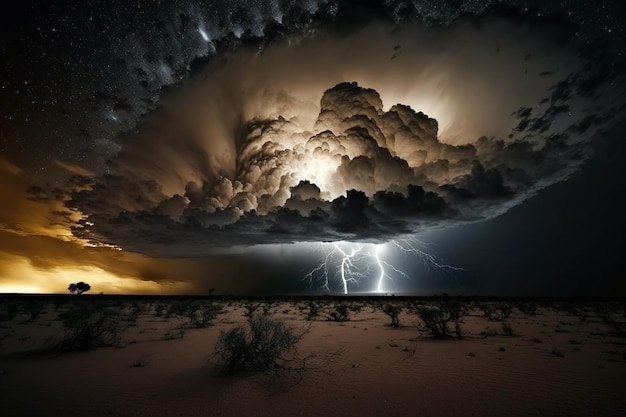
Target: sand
557	363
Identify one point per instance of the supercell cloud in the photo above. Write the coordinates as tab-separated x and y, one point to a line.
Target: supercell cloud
366	134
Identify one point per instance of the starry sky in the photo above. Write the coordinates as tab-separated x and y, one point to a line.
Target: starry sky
265	147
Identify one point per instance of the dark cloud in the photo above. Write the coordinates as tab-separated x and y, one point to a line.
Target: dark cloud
249	149
37	252
226	142
368	175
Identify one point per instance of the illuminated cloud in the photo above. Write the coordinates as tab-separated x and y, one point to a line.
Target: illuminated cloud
38	252
257	149
360	174
319	121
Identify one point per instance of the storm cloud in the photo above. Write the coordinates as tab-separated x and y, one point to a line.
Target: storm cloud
346	129
223	144
354	172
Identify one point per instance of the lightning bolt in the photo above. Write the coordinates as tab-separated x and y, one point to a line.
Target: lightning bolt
381	277
347	269
418	248
350	263
348	266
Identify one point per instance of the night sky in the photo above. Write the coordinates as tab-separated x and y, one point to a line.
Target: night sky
265	147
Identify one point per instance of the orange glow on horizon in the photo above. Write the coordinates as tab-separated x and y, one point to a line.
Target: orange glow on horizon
24	278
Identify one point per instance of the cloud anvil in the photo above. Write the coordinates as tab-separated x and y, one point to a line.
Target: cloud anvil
361	174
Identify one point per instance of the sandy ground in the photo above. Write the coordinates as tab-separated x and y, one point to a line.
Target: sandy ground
555	364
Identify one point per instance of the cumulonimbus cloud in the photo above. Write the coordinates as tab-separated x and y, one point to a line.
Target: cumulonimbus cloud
235	159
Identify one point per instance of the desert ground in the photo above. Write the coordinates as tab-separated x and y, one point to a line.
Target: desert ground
155	356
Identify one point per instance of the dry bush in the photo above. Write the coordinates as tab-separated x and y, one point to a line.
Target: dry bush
356	307
507	329
200	314
314	311
529	309
34	310
341	313
159	309
496	312
9	309
251	308
606	312
393	311
442	320
573	308
88	326
174	332
266	345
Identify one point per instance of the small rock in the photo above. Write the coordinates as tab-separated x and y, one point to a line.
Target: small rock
471	354
501	349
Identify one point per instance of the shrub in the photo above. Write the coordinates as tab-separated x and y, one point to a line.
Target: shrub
356	307
507	329
174	332
496	312
33	310
177	308
158	309
88	327
131	313
340	314
59	302
605	312
393	311
313	311
573	308
267	344
438	318
251	308
11	308
527	308
201	314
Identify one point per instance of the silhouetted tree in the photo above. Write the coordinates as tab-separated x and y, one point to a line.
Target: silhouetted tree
79	288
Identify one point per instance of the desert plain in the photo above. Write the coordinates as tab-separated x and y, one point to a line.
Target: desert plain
509	357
